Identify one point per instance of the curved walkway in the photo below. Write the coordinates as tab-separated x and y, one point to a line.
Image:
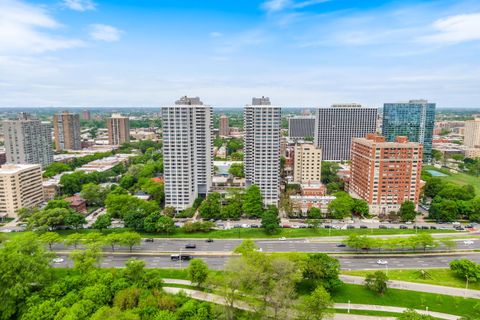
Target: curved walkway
421	287
217	299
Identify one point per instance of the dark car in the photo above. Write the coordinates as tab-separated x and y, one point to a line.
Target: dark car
382	227
341	245
363	227
350	226
209	240
433	227
327	226
190	246
254	226
149	240
184	257
403	227
425	227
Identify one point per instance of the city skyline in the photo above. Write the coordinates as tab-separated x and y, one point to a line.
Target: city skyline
303	53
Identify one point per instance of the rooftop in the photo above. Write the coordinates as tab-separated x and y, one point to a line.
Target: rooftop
15	168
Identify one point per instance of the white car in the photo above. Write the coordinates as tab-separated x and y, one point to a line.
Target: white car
468	242
282	239
58	260
259	250
382	262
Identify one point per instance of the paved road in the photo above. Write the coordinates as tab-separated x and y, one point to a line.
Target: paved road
347	263
272	245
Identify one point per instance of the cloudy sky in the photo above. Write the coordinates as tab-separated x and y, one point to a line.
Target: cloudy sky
309	53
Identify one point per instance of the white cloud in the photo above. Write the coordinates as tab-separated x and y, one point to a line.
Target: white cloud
23	29
80	5
307	3
215	34
275	5
105	32
455	29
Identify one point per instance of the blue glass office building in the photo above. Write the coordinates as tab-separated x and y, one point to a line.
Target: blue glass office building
414	119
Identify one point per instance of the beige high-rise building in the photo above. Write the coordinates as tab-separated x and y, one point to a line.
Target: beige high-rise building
472	133
307	163
118	129
224	130
66	127
20	187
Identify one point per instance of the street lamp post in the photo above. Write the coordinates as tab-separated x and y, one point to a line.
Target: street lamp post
348	306
466	288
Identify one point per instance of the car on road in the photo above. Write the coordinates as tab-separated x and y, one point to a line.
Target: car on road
341	245
350	226
467	242
149	240
58	260
363	227
282	239
382	262
403	227
382	227
259	250
184	257
190	246
209	240
408	222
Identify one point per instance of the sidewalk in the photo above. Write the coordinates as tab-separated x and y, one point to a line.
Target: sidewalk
421	287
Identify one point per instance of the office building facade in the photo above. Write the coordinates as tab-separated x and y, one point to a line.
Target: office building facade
336	126
385	174
472	133
307	163
262	148
66	127
28	141
20	187
301	127
224	129
414	119
187	151
118	129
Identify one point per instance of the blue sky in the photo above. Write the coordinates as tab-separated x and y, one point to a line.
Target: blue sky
304	53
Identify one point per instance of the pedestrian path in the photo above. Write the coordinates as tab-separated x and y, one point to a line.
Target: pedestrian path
421	287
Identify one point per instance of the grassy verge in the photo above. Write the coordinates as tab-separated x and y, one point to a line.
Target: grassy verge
441	277
409	299
248	233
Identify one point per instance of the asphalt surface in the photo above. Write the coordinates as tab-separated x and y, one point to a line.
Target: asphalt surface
271	245
357	262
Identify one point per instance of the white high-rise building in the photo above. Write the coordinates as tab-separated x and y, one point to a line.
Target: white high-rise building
472	133
187	151
28	141
262	148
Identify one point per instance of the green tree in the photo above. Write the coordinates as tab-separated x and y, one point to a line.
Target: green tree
425	240
135	271
360	207
48	219
86	260
253	202
407	211
322	270
75	220
165	224
130	239
316	306
271	220
197	272
247	246
341	207
94	194
211	207
377	282
413	315
314	213
103	222
113	313
113	239
73	239
236	170
466	269
155	189
50	238
24	268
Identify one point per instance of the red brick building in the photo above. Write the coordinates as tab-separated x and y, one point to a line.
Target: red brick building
77	203
385	174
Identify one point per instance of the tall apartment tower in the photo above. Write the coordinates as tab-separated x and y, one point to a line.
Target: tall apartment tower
262	148
472	133
187	151
224	129
385	174
307	164
66	126
28	141
86	115
301	127
118	129
20	187
414	119
336	126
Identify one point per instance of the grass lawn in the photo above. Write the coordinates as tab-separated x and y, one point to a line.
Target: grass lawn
441	277
409	299
459	178
249	233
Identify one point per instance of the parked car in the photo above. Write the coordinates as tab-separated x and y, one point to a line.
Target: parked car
58	260
209	240
184	257
282	239
433	227
363	227
190	246
382	227
350	226
468	242
149	240
403	227
382	262
341	245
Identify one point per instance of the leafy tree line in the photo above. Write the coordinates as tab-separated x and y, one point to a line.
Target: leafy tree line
450	201
346	206
31	289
